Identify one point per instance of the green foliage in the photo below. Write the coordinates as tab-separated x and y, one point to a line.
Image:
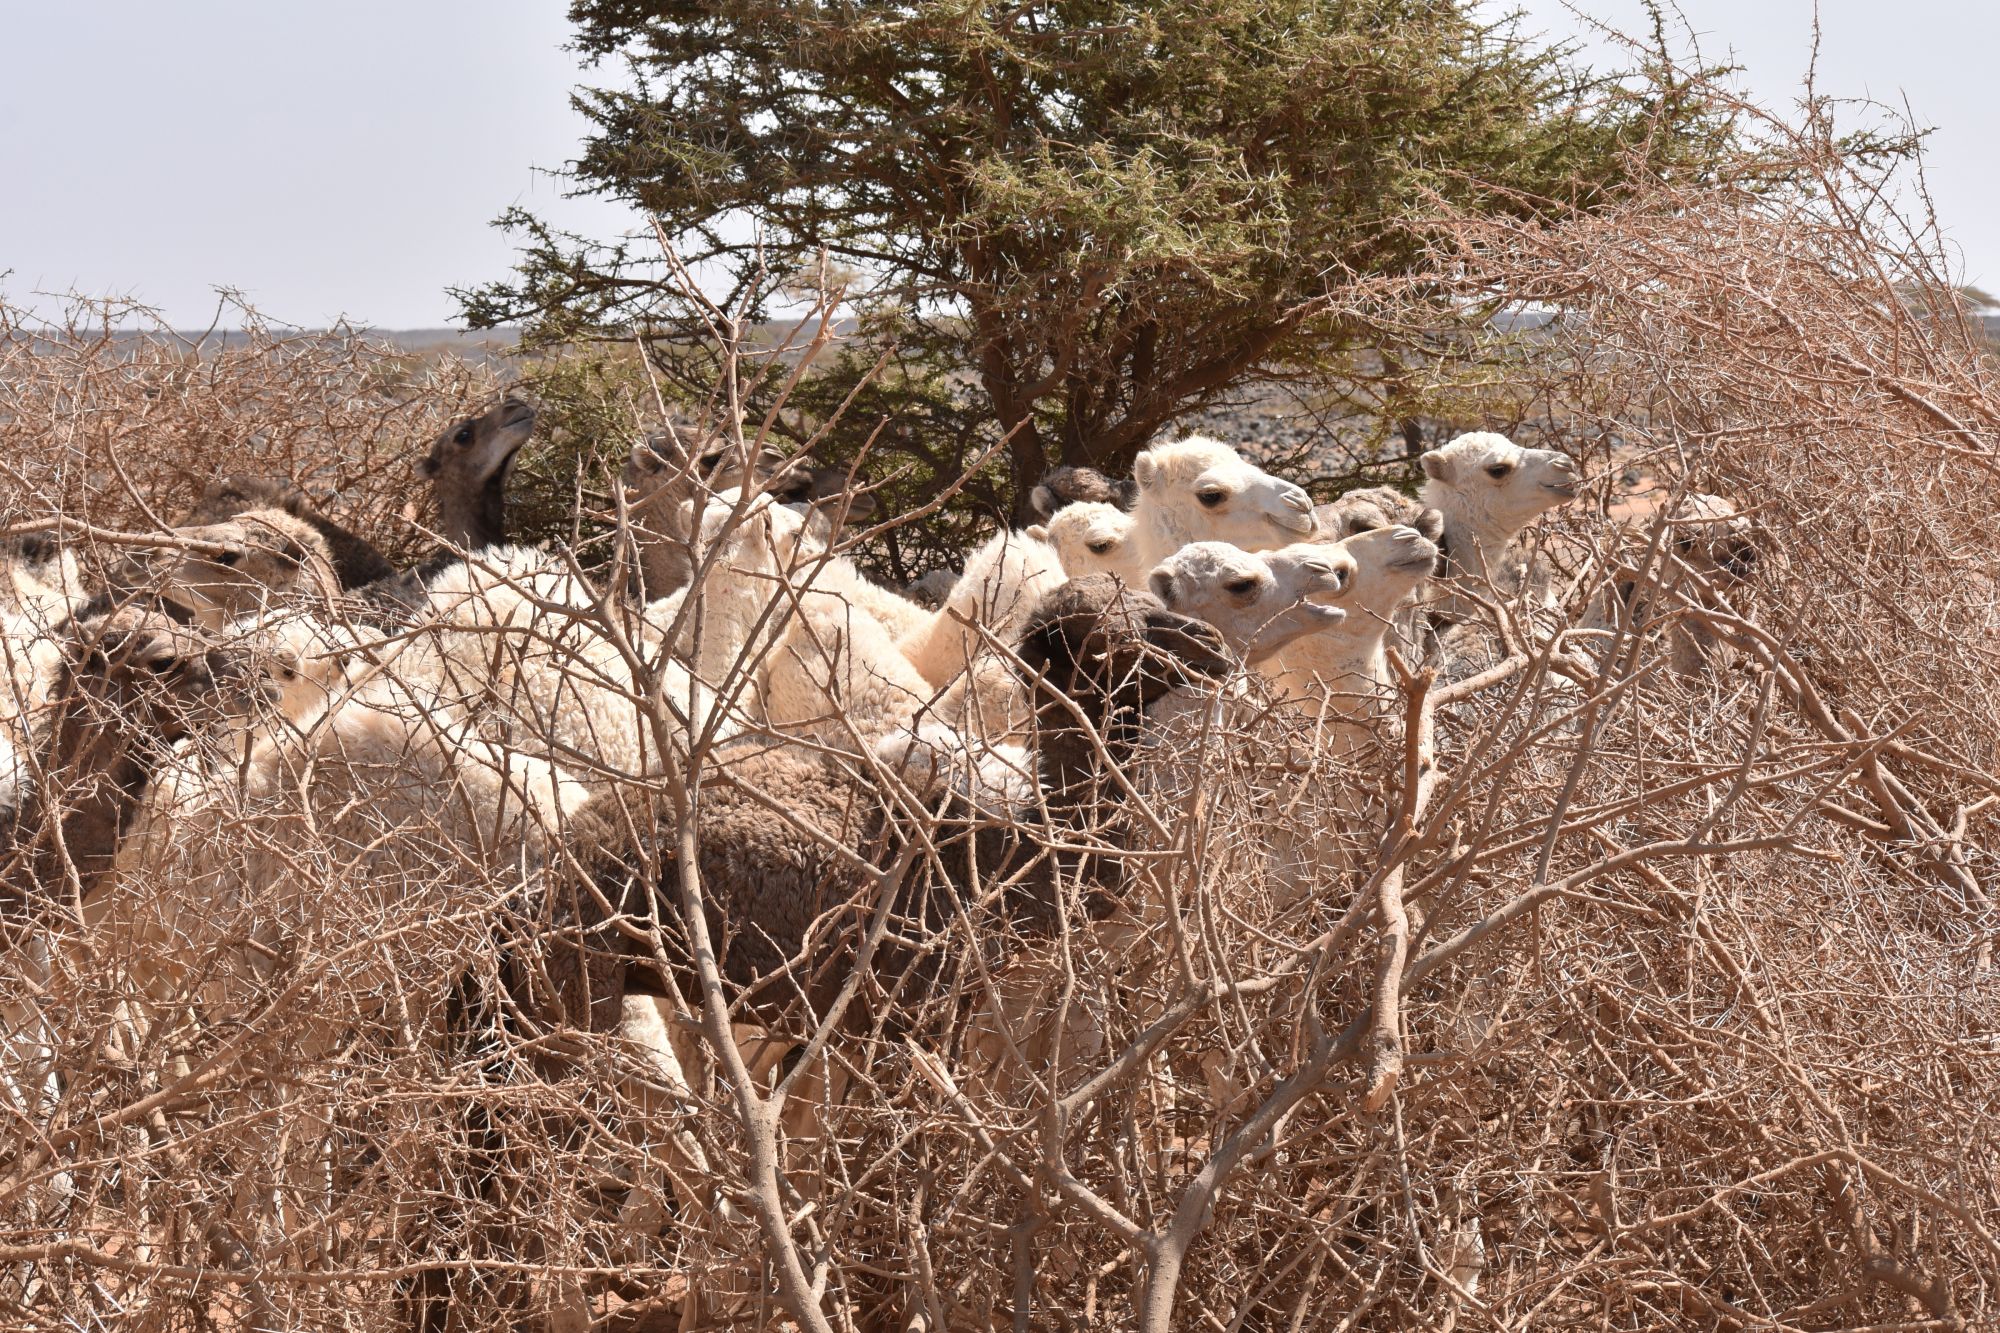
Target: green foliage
593	402
1074	221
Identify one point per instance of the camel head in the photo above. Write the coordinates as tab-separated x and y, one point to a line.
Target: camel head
1114	650
476	451
933	590
1707	531
1390	564
829	497
133	683
1495	485
140	675
672	464
673	479
468	467
1375	507
1258	602
264	554
235	494
1198	489
1092	537
307	663
1063	486
1713	535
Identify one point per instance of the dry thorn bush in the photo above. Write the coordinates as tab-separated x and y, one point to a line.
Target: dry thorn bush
1642	979
110	418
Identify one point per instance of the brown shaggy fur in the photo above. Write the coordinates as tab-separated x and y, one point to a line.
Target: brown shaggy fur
1374	507
133	683
788	837
1074	485
356	561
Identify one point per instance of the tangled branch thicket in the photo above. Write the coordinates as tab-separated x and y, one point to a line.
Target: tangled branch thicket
1642	979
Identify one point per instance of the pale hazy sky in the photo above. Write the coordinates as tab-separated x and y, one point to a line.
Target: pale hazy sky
345	159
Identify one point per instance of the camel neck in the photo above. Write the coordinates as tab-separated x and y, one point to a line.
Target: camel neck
478	521
1473	543
90	789
1071	761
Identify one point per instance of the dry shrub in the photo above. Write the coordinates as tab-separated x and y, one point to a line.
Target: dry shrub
109	417
1641	980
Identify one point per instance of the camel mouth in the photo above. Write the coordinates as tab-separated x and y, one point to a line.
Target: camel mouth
1325	615
1203	662
1426	563
1291	520
514	412
1192	649
1566	489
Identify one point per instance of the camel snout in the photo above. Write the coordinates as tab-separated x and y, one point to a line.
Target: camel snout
1295	512
517	412
1194	648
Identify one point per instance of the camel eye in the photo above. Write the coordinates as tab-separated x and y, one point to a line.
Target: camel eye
463	435
1098	548
1211	499
1355	526
1242	587
229	559
161	666
1498	470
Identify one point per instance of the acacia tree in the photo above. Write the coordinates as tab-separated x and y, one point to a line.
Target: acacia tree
1072	221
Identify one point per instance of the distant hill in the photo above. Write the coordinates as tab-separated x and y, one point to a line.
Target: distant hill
453	340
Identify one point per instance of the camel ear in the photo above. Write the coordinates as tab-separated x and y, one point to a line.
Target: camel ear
1043	501
1146	472
1436	467
1162	584
1431	524
1038	532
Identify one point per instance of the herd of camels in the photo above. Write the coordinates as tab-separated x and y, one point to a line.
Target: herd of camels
260	677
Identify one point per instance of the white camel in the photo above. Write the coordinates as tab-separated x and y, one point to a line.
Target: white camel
1004	580
1258	601
1489	491
1092	537
1346	666
1199	489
